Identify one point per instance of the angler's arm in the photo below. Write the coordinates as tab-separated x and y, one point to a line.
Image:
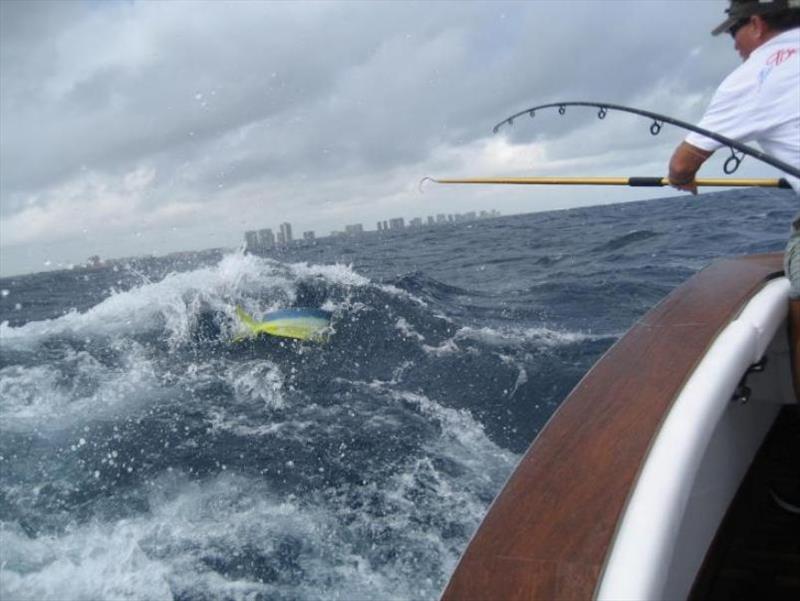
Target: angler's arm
684	164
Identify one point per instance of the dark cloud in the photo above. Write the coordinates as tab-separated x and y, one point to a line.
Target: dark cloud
220	96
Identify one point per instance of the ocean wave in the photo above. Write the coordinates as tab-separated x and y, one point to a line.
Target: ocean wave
174	305
456	425
407	330
522	373
94	562
235	537
447	347
538	336
179	306
76	387
494	338
423	285
142	456
620	242
260	381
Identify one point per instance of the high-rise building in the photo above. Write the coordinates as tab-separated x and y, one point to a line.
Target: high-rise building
416	222
286	231
308	235
398	223
251	241
380	226
440	218
266	239
431	220
354	230
281	239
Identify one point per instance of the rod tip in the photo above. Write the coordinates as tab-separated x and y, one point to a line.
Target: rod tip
423	180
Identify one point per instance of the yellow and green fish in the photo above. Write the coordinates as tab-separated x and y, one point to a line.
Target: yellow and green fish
298	323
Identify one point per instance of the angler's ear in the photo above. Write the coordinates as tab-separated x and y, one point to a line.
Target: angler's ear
759	27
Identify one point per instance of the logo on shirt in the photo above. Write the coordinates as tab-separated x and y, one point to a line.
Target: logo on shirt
781	56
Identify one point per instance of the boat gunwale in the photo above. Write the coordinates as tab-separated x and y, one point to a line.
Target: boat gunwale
550	530
641	562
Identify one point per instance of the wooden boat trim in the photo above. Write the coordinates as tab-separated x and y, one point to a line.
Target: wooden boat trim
548	534
692	468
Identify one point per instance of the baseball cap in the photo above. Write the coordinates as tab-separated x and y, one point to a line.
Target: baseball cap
743	9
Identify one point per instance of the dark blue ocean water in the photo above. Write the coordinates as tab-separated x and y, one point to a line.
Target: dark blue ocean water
145	456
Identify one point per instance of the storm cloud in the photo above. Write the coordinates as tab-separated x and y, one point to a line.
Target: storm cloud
136	127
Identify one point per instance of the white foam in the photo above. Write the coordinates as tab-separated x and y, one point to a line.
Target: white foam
91	562
448	347
28	392
399	292
463	437
336	274
539	336
260	381
192	528
502	337
37	397
522	374
407	330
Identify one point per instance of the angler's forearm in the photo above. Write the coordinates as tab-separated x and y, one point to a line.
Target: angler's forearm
685	163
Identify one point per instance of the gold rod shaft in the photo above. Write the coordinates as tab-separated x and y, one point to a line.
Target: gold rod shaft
613	181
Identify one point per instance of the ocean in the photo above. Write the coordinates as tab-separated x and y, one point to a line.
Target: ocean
145	455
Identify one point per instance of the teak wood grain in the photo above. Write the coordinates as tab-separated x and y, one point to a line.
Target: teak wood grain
547	534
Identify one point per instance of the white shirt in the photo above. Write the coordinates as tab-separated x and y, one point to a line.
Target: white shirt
760	101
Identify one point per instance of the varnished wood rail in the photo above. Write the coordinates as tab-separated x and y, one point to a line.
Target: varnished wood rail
547	534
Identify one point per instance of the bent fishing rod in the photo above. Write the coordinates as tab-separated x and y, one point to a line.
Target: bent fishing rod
731	164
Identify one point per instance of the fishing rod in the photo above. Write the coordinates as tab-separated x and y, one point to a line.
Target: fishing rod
633	182
731	163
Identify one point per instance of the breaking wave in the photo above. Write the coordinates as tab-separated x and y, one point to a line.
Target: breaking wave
146	455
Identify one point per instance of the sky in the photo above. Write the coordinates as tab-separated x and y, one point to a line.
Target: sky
142	127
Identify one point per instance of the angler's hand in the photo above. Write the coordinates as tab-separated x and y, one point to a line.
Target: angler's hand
689	186
684	164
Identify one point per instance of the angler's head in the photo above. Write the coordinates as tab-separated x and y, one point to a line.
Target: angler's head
751	23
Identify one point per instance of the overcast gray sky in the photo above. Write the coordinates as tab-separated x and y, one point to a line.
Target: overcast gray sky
131	127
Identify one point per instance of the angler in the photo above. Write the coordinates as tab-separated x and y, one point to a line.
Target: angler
760	101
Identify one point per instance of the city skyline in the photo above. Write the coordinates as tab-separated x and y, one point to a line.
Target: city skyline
265	239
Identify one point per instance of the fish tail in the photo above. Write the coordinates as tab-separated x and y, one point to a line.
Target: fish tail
247	320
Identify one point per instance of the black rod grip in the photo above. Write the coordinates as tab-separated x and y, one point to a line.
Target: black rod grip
645	182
